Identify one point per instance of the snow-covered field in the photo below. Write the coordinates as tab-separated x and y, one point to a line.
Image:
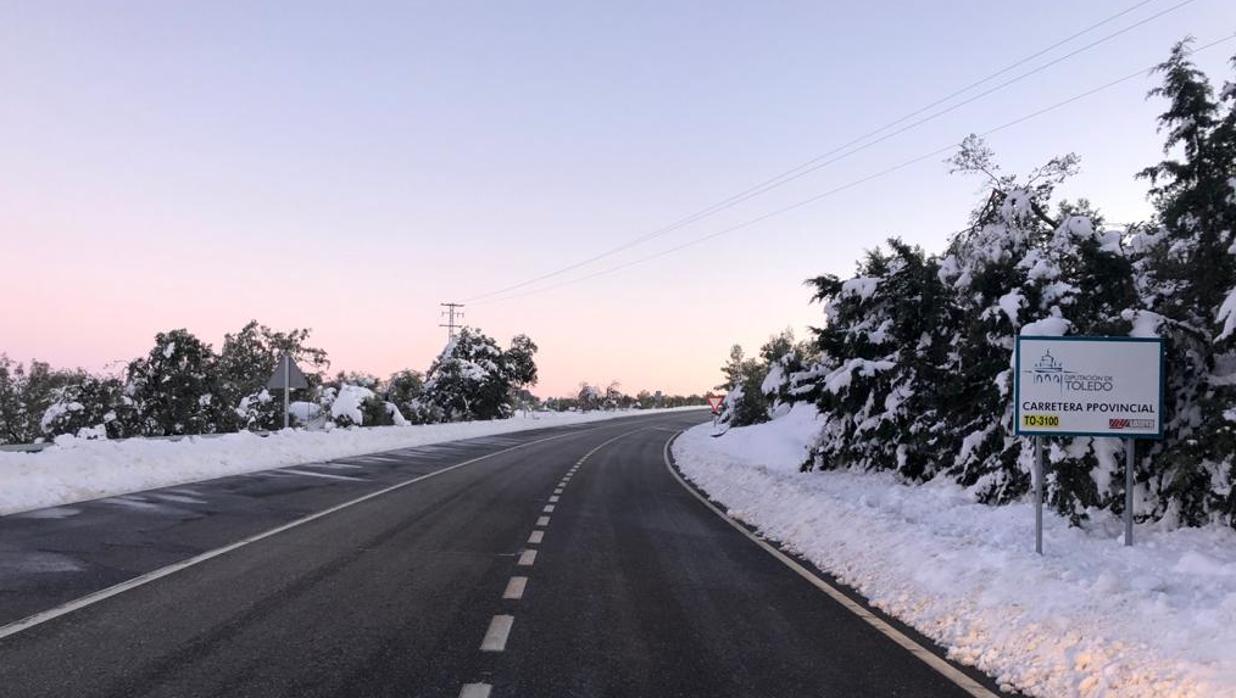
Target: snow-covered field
1088	618
74	469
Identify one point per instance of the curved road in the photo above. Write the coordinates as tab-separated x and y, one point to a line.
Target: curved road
563	562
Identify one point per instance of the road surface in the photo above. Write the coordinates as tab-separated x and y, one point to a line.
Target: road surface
562	562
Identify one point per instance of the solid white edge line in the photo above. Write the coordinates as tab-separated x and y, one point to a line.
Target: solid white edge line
515	588
475	690
497	634
143	579
925	655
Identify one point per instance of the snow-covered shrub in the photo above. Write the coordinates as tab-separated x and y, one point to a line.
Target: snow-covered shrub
94	407
260	411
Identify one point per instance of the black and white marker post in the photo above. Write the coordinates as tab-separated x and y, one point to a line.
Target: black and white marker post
1088	386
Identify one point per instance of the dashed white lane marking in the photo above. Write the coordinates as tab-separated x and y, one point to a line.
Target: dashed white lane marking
515	588
499	631
558	491
144	579
536	537
553	499
549	509
945	669
526	558
475	690
543	521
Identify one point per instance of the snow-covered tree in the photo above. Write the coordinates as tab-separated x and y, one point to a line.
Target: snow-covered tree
1188	275
176	387
886	341
474	379
248	359
25	395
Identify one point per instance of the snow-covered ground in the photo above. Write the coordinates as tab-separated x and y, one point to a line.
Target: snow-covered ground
1088	618
74	469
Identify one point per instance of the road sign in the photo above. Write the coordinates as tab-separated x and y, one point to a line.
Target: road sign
714	401
1089	386
287	375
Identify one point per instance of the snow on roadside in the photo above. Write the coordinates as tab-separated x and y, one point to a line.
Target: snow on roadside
79	469
1089	618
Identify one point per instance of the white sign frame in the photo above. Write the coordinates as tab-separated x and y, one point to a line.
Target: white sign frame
1099	356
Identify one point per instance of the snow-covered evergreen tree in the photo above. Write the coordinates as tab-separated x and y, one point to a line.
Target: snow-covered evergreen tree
1189	273
884	335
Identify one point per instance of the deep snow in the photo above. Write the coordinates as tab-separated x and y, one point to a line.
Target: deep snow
1088	618
75	469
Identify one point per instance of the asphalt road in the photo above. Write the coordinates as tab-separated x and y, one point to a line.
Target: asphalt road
478	578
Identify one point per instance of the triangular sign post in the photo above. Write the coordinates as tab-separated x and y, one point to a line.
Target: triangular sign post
287	376
714	401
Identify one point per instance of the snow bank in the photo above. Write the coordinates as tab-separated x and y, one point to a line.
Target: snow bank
78	469
1089	618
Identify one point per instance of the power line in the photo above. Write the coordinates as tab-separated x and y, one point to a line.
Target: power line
853	183
826	159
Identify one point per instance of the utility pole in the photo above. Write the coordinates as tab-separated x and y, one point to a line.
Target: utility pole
452	313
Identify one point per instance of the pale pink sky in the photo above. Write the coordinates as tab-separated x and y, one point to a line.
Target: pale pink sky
197	165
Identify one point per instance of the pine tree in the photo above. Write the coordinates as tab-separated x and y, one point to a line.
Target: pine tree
1190	272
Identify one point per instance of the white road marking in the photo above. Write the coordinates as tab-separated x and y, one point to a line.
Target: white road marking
526	558
945	669
553	499
495	637
475	690
549	509
144	579
536	537
515	588
558	491
542	521
310	473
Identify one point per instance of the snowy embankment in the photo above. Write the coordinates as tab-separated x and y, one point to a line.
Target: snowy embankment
75	470
1088	618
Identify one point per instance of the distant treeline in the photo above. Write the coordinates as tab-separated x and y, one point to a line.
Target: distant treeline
182	386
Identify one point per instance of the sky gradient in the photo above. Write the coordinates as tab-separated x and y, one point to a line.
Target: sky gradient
347	168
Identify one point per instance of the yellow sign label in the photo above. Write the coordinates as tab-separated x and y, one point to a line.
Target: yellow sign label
1040	421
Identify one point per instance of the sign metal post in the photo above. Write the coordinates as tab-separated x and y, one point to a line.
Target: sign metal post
1130	462
1038	495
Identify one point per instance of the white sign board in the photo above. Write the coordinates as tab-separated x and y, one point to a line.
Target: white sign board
1089	386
